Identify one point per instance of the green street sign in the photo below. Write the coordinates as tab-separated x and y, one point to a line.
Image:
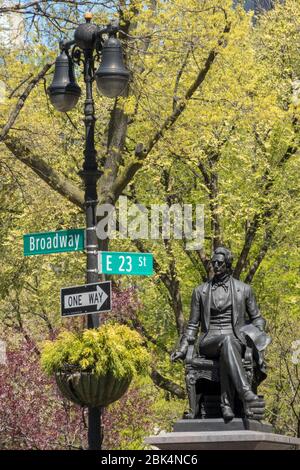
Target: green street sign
134	264
54	242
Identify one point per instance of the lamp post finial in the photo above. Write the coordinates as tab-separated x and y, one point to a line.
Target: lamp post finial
88	16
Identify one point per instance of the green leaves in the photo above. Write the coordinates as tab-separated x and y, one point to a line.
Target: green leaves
112	348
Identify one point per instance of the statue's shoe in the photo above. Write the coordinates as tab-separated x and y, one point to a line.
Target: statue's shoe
227	413
254	406
188	415
249	396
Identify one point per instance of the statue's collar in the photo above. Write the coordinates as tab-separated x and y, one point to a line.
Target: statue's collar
221	281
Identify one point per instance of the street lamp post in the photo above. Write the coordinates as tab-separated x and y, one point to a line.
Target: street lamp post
112	79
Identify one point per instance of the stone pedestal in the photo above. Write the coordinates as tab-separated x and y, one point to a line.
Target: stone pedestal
218	424
214	434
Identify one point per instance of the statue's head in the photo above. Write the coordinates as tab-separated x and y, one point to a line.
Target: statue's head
222	261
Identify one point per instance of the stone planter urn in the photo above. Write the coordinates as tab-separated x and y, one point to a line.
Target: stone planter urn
88	389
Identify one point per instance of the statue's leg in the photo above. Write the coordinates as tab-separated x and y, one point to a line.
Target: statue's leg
227	394
231	361
210	347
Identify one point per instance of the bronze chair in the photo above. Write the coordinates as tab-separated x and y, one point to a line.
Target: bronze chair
203	386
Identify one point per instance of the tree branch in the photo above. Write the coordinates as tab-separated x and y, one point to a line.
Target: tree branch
167	384
178	77
136	323
164	278
214	206
262	253
142	152
190	92
21	101
196	263
54	179
263	218
35	5
170	281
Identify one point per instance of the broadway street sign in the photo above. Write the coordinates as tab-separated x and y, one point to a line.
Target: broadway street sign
138	264
54	242
90	298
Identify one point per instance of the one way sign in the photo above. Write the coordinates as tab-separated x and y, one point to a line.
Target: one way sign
90	298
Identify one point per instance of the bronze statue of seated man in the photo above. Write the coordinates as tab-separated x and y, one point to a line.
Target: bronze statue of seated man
223	308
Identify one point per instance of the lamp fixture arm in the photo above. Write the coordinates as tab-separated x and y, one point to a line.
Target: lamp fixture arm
66	45
110	29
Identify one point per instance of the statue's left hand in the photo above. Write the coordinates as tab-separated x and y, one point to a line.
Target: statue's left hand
175	356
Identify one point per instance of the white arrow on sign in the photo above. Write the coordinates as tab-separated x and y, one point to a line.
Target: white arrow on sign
86	299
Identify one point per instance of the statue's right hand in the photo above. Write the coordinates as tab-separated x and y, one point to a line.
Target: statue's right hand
175	356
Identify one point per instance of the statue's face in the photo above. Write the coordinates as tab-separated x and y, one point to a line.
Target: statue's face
219	265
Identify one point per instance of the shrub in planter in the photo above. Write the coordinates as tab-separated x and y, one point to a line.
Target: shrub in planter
95	367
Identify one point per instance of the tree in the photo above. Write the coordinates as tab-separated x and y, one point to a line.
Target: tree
211	116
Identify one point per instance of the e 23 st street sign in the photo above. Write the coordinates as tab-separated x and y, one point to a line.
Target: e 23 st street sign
135	264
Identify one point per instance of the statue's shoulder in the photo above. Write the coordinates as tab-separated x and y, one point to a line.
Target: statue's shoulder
240	284
202	288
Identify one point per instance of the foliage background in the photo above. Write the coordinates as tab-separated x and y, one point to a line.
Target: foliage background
214	99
